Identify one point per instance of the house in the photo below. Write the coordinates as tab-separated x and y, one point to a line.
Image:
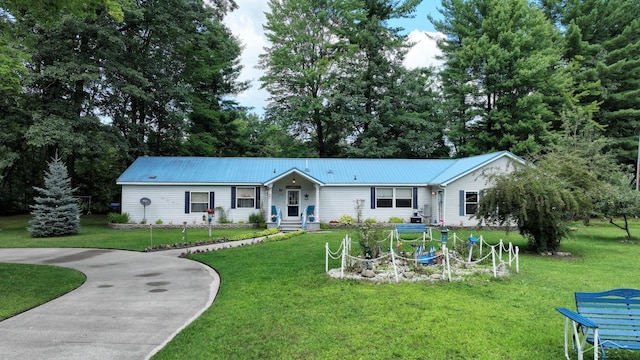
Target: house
302	192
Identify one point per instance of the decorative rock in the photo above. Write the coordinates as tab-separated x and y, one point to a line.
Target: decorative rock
435	276
368	273
408	274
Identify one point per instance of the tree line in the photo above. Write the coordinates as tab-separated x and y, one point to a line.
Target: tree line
104	82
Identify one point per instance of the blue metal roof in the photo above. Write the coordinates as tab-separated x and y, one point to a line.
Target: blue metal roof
204	170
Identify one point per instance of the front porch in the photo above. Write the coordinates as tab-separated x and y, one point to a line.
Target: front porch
293	200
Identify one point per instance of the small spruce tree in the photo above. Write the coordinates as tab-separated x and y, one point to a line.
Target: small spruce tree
56	212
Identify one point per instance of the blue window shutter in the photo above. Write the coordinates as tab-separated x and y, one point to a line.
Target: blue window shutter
415	197
461	202
187	202
233	197
212	200
257	197
373	198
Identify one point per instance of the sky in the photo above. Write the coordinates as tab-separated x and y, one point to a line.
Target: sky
246	24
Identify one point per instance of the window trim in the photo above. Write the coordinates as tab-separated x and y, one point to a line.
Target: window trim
249	190
394	197
471	203
409	197
192	202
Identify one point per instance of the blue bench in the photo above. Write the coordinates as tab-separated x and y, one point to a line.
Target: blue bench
605	320
411	228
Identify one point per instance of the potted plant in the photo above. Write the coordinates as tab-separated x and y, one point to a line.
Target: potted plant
312	218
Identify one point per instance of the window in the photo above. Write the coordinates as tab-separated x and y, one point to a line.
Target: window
246	197
403	197
387	197
471	202
384	197
199	201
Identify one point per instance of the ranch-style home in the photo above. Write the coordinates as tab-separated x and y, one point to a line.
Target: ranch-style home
302	193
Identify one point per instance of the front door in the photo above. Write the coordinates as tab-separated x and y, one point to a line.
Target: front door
293	203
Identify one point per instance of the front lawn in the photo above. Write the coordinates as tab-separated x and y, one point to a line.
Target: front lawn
275	302
25	286
94	233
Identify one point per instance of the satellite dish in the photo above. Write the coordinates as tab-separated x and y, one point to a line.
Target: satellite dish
145	201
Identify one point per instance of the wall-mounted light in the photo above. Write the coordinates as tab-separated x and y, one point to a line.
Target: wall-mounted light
433	193
280	189
355	178
293	181
306	196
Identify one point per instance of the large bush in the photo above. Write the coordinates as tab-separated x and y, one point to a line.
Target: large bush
540	204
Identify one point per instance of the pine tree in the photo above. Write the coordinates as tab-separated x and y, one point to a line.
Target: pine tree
502	80
56	212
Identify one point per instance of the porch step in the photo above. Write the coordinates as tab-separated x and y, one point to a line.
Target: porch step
289	226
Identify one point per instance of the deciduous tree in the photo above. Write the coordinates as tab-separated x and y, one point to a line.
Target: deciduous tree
540	204
303	63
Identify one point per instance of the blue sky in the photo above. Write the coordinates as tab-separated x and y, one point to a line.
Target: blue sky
420	21
246	23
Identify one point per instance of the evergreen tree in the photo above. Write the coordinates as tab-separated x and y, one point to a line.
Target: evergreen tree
56	212
502	77
604	37
392	109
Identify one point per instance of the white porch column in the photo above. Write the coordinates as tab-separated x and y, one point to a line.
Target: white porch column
269	202
317	211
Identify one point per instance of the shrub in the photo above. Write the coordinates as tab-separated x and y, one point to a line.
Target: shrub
284	236
255	235
370	238
116	218
370	221
347	220
257	218
222	215
396	220
159	222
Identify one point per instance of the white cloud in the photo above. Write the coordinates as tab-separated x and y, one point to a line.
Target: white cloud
246	24
424	51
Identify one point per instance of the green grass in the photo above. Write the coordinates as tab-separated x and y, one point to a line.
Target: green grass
94	233
275	302
25	286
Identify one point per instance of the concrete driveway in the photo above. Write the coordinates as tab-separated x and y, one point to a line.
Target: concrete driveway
131	305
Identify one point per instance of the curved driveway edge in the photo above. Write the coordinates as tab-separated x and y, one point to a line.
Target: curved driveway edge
131	305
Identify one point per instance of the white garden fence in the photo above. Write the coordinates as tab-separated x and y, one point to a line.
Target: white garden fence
500	254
